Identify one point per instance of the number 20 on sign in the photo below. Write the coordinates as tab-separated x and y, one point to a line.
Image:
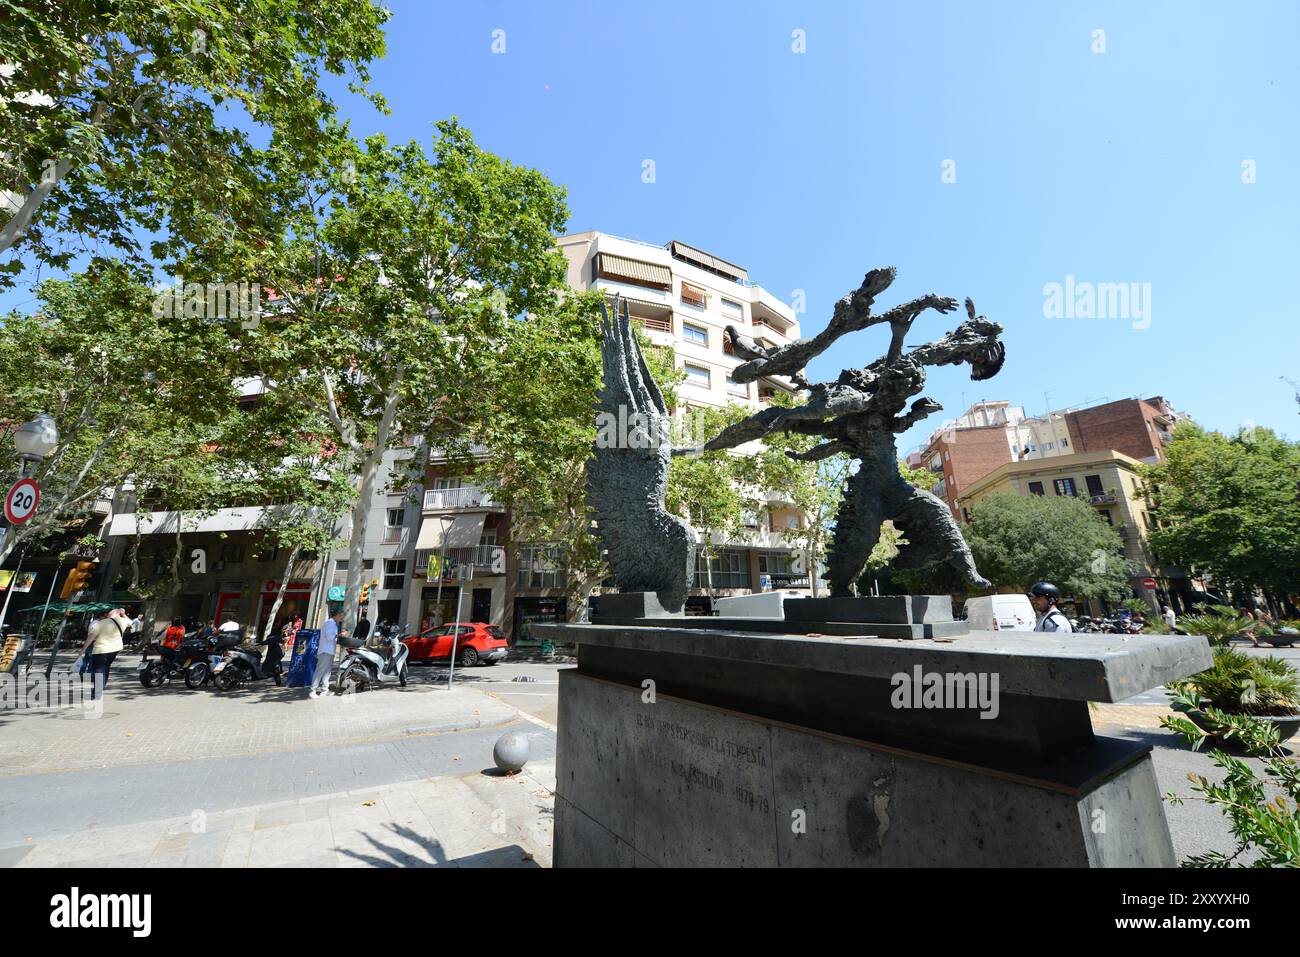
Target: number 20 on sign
21	502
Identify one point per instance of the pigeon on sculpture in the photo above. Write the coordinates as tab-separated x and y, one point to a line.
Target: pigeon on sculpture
648	548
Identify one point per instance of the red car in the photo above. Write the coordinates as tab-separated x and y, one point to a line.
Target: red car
476	642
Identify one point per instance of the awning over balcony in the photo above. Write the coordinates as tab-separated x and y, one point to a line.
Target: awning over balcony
164	523
609	266
465	532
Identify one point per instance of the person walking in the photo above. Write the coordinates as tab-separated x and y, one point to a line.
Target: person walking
1170	618
1044	597
103	642
329	638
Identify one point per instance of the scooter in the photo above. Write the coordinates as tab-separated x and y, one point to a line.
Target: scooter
189	658
365	668
245	664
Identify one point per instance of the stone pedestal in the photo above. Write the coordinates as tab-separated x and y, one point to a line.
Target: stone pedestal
889	616
700	746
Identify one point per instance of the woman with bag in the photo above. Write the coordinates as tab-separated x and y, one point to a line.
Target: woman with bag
103	643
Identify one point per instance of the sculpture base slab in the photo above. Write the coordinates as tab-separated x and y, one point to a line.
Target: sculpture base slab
628	606
889	616
676	783
888	609
722	746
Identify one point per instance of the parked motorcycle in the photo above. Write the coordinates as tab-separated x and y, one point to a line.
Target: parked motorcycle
242	665
189	659
363	668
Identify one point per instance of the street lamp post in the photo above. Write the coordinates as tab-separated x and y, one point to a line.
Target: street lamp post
33	441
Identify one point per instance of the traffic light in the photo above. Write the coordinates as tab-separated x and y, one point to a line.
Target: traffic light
365	590
78	579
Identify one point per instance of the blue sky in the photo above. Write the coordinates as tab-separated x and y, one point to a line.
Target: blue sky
810	168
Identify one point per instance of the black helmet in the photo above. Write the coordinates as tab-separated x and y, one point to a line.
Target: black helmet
1044	590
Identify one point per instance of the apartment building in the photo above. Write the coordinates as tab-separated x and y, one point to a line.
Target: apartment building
684	298
991	434
1108	480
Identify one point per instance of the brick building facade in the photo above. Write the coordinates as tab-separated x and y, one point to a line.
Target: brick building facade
1139	428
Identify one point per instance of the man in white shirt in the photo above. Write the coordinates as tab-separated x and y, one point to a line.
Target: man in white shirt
329	638
1170	618
1044	596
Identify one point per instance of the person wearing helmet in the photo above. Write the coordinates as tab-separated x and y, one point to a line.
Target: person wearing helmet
1044	596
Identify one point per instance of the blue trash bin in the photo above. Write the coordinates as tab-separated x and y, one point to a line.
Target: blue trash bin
302	666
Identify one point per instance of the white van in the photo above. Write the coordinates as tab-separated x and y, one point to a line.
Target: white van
1000	613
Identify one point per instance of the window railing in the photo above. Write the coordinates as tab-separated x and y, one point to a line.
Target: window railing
657	325
467	496
480	556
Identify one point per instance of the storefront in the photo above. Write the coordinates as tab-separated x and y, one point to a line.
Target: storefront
537	610
297	599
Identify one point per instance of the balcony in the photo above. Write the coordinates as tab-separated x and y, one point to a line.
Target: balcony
767	324
465	498
1103	498
486	559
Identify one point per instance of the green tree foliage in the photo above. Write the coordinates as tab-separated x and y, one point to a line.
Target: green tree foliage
1020	539
133	396
402	276
1229	508
126	116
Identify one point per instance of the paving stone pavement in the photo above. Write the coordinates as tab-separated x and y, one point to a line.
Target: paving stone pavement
474	819
174	723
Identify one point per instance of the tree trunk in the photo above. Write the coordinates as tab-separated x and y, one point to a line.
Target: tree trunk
279	595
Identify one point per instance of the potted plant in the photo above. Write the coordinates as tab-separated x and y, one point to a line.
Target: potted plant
1220	628
1239	684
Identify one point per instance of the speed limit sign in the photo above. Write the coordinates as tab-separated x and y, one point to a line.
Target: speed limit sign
21	502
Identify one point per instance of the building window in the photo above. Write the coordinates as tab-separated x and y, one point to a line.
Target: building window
740	388
697	374
1110	519
694	296
540	567
268	553
1048	446
774	563
232	552
1094	484
1065	443
395	573
696	334
732	310
1064	486
396	518
1036	488
728	566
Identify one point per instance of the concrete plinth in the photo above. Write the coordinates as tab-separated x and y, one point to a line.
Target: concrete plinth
693	747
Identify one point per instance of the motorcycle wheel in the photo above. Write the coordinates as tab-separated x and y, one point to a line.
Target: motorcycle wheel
197	675
152	677
349	680
227	678
401	676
